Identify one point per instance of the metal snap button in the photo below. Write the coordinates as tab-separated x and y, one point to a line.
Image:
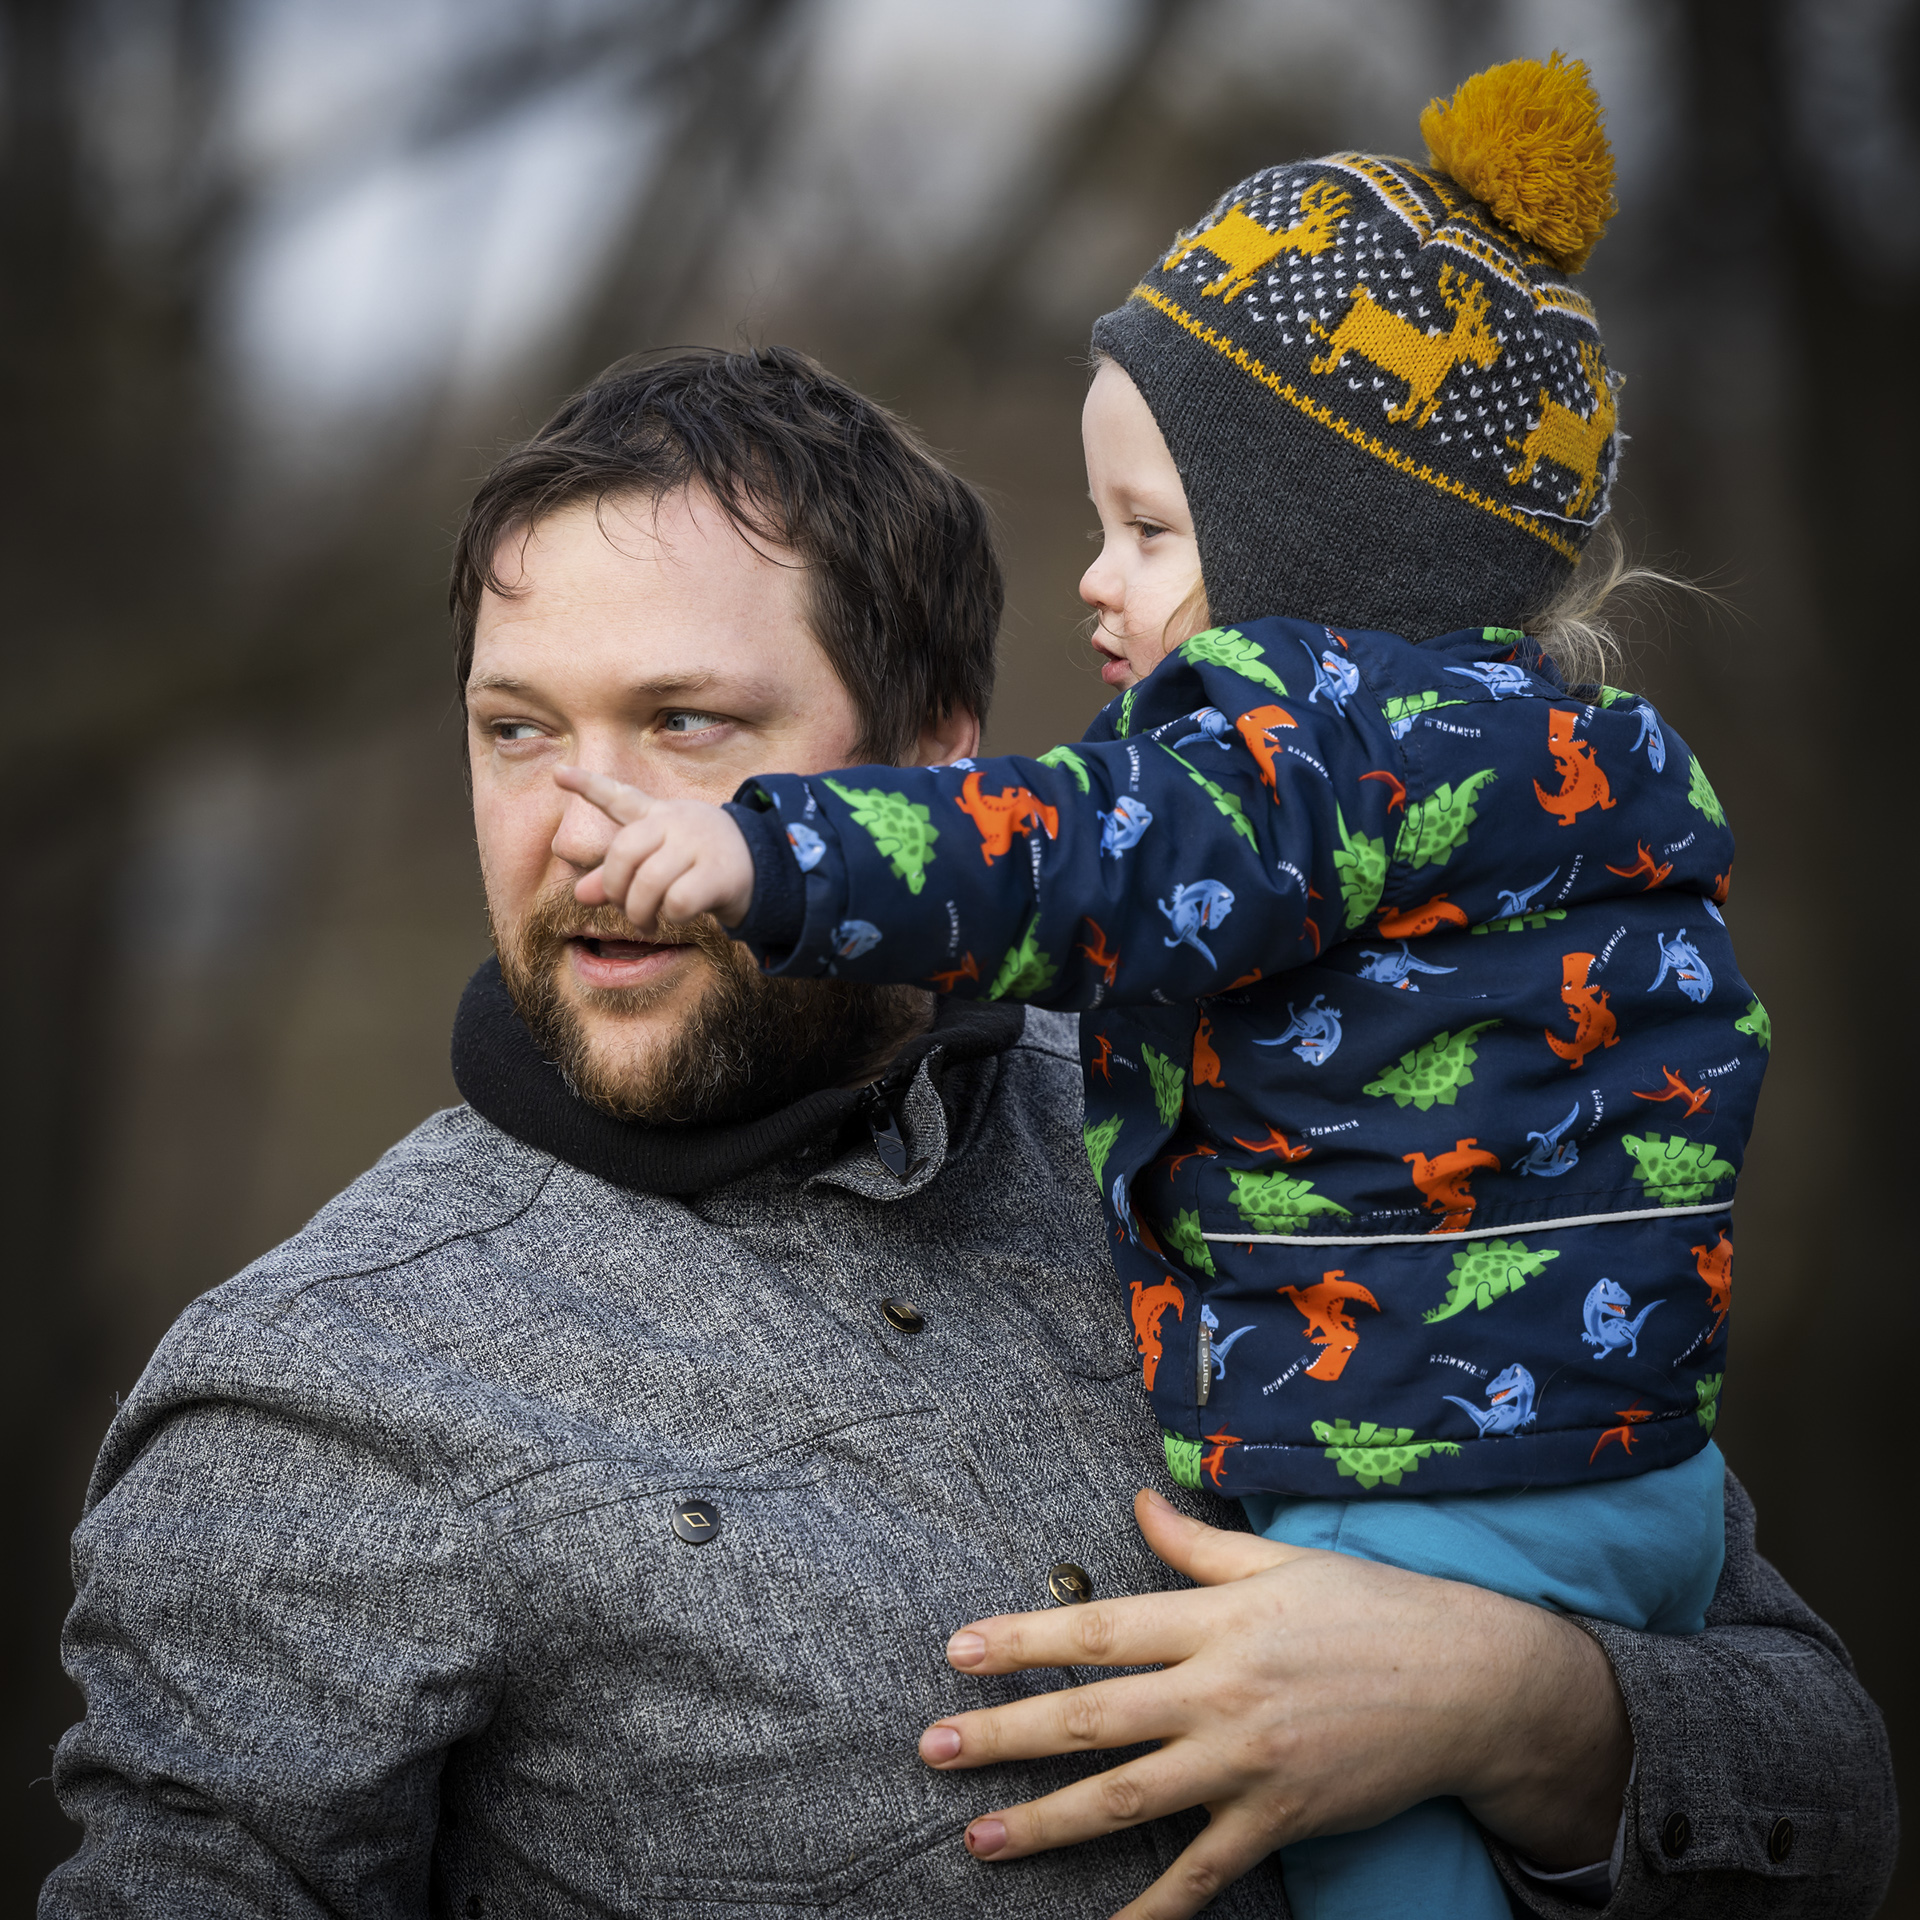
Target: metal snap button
1069	1585
1780	1840
695	1522
902	1316
1676	1836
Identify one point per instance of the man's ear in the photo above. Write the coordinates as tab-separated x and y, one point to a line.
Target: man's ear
954	735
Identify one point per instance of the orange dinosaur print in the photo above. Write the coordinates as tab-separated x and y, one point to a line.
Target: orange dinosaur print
1630	1417
1583	784
1443	1179
1409	923
1324	1307
999	816
1216	1455
1643	863
1245	980
1100	954
1593	1021
1103	1060
1206	1062
1677	1089
1275	1142
1313	927
1179	1160
968	969
1716	1269
1149	1305
1396	797
1257	728
1723	888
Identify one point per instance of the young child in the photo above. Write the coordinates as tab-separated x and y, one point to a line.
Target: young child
1418	1067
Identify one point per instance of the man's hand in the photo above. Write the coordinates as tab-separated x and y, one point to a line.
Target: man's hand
675	859
1300	1693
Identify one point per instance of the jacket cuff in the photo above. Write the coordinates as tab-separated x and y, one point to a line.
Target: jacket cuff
778	910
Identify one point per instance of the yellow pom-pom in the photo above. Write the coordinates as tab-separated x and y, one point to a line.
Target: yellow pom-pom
1526	140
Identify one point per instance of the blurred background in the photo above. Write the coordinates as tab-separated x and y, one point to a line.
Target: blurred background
278	279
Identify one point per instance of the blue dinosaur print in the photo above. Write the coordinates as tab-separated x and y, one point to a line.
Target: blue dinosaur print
1213	725
1651	737
808	847
1123	827
1690	973
1511	1393
1200	903
1550	1154
1221	1348
1317	1031
1499	677
1122	1203
852	938
1608	1327
1397	969
1715	911
1513	905
1338	679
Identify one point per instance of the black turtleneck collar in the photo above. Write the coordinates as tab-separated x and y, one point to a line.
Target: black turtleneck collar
505	1078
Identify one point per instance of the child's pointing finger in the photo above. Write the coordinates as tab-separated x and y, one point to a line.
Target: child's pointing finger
619	801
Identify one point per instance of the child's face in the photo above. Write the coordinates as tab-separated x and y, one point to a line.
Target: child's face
1149	564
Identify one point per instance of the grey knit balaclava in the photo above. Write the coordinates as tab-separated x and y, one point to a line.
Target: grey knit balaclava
1386	403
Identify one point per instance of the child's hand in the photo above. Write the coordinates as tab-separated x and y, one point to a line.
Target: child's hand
677	858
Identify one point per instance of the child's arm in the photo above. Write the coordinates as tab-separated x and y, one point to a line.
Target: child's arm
1226	836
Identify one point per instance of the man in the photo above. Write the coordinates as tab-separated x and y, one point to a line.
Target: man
571	1520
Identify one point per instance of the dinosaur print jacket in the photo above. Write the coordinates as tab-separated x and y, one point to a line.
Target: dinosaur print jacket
1418	1067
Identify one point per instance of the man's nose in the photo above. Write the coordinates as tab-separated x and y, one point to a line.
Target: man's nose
583	833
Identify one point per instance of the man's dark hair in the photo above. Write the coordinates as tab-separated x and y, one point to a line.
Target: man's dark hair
903	581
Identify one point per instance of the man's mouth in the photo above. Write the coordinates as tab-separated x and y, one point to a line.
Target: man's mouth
602	960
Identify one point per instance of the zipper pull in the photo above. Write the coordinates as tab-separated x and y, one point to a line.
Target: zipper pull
887	1143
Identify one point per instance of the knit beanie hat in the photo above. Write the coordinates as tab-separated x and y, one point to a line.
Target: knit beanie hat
1387	404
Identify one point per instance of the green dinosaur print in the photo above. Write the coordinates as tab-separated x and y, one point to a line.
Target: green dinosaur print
1434	1071
1026	970
1361	863
1707	1391
1228	647
1277	1202
1100	1138
1435	826
1612	696
1521	922
1757	1022
1488	1272
1188	1242
1169	1084
1126	711
902	830
1674	1170
1410	706
1372	1454
1066	757
1183	1459
1700	793
1495	636
1228	803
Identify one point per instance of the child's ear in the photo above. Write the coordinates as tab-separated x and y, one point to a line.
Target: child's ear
954	735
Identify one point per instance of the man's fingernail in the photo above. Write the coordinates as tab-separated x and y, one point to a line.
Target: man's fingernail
1158	1499
966	1650
985	1838
939	1743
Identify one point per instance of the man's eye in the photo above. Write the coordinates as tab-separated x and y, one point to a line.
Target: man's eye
515	730
692	722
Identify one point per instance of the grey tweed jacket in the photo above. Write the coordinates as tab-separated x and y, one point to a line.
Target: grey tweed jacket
381	1608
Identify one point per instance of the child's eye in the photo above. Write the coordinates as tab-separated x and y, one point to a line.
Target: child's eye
1148	528
692	722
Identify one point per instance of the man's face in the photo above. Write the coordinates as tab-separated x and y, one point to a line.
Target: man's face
649	641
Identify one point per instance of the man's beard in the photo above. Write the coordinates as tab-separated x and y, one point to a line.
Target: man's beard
746	1046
